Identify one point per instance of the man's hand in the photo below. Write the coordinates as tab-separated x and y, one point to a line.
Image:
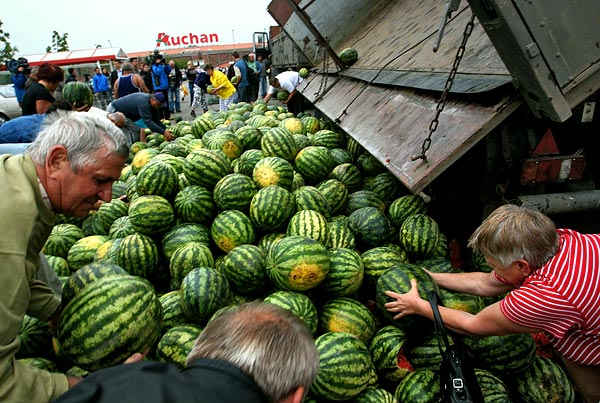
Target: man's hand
168	135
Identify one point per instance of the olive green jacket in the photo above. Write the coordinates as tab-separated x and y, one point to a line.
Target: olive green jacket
26	223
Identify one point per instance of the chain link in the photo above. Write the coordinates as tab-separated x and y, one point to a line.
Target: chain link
324	72
444	97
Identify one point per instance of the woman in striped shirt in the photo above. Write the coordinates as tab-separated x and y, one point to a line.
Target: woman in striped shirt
554	279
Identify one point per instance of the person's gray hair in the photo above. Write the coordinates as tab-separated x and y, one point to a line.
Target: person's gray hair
126	66
269	343
82	134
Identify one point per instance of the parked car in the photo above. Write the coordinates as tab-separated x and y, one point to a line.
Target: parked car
9	107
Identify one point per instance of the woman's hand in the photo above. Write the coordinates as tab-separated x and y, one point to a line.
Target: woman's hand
404	304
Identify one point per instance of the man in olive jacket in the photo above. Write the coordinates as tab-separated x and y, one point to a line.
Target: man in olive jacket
59	173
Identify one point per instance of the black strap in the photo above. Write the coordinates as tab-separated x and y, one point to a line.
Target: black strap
434	301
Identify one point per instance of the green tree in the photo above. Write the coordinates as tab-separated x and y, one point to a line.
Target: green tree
59	43
7	51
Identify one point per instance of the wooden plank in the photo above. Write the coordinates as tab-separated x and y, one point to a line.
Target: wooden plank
391	123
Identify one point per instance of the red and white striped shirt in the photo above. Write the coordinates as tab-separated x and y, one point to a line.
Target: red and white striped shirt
563	298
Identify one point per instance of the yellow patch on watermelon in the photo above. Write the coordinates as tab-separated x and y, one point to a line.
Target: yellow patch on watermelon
306	276
265	176
225	244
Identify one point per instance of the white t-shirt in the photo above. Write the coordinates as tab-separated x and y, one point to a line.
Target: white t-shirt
288	81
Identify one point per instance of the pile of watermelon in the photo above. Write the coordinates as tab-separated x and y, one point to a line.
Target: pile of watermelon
256	203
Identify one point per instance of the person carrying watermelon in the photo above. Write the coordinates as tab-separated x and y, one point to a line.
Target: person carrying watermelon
553	276
221	86
238	357
287	81
68	168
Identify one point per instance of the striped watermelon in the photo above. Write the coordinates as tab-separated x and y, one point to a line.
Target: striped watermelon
419	236
273	171
543	381
386	186
311	198
111	211
297	182
349	175
249	137
364	198
422	386
387	351
345	275
172	310
339	235
271	207
370	165
405	206
279	142
194	204
244	267
42	363
347	315
308	223
336	194
92	225
297	263
177	342
397	279
502	354
234	192
108	250
174	161
267	241
310	124
183	233
423	352
34	337
128	304
377	260
137	254
232	228
302	141
370	226
203	291
345	367
461	301
59	265
186	258
327	138
226	142
314	163
82	252
141	158
151	214
120	228
294	125
87	274
493	388
374	395
201	125
349	56
206	167
61	239
79	95
340	156
248	160
157	178
297	303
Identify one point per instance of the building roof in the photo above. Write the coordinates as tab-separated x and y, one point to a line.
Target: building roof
196	49
76	56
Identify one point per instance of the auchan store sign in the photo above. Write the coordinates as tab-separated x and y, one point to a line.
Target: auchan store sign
189	39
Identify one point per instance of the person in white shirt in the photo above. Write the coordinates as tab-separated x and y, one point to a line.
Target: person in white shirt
287	81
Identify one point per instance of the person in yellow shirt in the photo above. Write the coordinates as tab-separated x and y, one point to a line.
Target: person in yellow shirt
221	86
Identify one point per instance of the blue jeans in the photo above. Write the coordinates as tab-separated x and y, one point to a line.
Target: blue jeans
263	86
174	99
192	89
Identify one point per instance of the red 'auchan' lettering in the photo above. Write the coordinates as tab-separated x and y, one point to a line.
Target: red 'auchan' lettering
189	39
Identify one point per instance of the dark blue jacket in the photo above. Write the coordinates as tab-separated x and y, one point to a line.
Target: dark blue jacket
160	76
19	80
241	64
137	106
23	129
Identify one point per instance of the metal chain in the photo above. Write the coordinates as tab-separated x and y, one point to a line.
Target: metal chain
449	81
324	72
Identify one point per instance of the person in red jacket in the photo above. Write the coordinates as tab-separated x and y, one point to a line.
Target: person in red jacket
554	281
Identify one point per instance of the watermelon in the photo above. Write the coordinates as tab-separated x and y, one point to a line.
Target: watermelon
340	156
374	395
186	258
349	175
82	252
405	206
314	163
151	214
137	254
369	226
194	204
310	124
422	386
141	158
183	233
297	263
87	274
206	167
203	291
271	207
172	310
369	165
377	260
419	236
303	72
308	223
501	354
348	56
61	239
347	315
345	275
493	389
364	198
387	350
157	178
385	185
273	171
327	138
282	95
336	194
301	140
279	142
294	125
311	198
244	267
543	381
34	337
423	352
267	241
201	125
79	95
234	192
247	161
175	345
59	265
108	250
42	363
232	228
339	235
345	367
226	142
249	137
109	320
120	228
297	303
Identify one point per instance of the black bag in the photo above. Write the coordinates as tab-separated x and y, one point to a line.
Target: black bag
458	381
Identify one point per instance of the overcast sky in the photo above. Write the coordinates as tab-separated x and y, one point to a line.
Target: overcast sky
128	25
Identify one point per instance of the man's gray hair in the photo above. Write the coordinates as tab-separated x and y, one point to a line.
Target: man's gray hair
127	66
82	134
269	343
